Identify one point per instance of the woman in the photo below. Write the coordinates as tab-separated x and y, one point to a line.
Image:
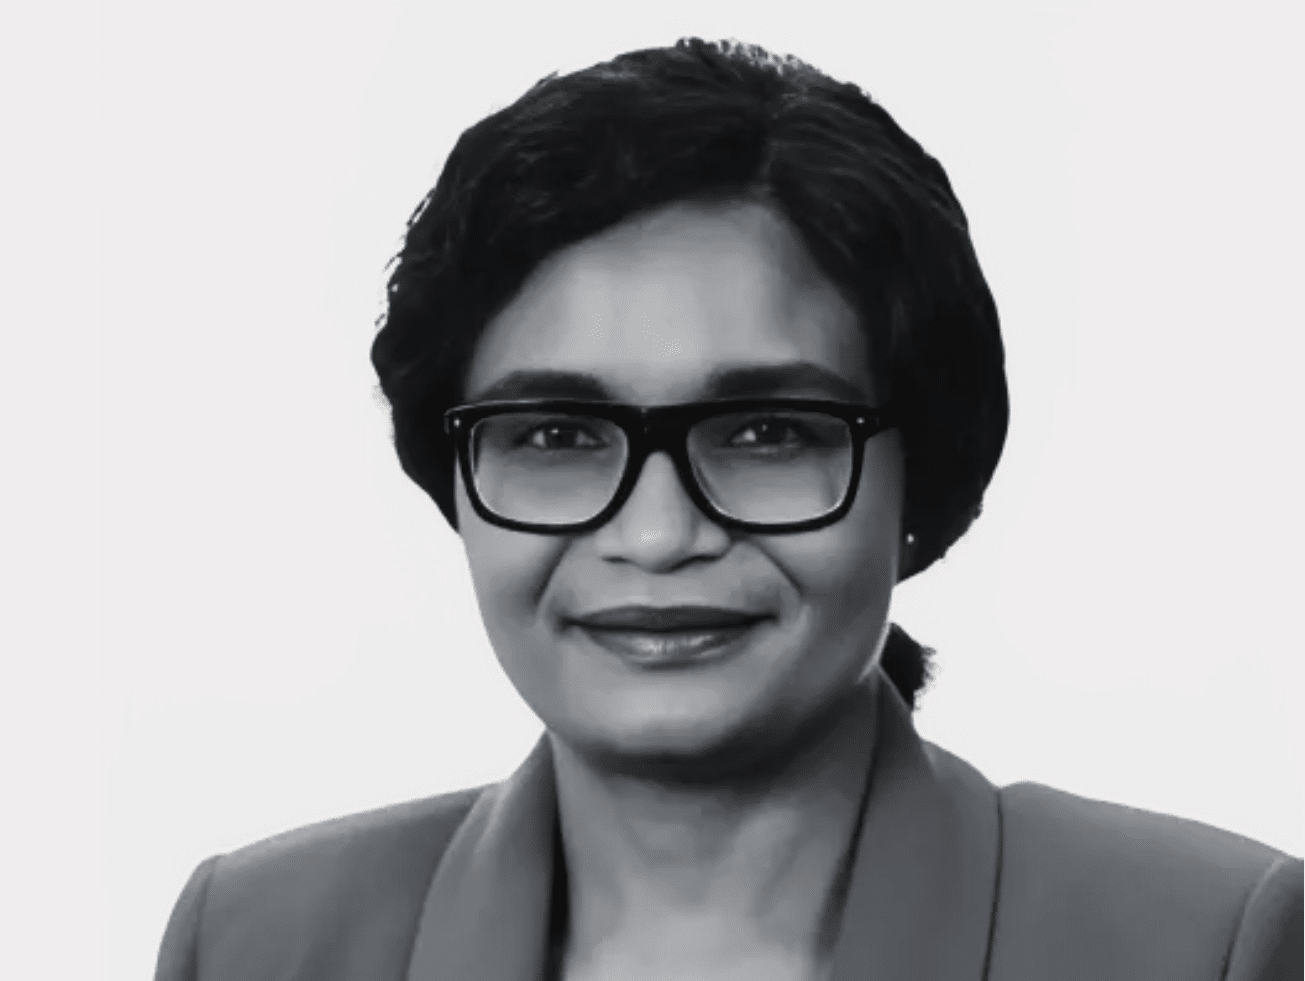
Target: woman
693	350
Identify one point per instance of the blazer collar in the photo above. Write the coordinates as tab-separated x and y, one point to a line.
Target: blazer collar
920	902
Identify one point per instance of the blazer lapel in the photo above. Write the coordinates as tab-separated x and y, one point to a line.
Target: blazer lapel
923	889
920	898
486	912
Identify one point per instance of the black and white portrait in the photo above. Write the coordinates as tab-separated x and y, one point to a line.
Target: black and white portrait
769	493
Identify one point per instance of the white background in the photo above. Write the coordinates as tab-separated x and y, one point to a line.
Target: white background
228	613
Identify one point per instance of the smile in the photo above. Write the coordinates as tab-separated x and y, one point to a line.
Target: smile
660	637
670	648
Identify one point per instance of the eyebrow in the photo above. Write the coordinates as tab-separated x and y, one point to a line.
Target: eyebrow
743	381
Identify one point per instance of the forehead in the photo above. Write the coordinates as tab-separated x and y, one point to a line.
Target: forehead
657	306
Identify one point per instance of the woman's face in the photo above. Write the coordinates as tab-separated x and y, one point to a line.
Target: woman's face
656	311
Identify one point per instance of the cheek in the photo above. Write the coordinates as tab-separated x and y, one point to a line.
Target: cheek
852	565
509	572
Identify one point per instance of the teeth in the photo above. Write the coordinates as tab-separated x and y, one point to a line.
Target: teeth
665	646
654	645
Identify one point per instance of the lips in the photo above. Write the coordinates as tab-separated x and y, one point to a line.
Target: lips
668	618
670	636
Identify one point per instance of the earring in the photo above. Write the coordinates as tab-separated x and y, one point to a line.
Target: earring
910	538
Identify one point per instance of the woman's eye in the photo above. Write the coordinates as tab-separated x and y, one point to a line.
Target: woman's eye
768	432
560	436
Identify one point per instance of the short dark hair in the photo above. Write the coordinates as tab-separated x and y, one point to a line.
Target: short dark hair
721	121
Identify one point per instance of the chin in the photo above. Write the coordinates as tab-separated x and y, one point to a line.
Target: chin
675	731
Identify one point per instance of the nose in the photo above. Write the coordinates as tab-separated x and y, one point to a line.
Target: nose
659	527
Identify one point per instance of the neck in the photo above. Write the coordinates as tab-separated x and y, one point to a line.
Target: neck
760	858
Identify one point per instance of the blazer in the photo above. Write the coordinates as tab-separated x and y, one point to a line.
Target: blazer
952	879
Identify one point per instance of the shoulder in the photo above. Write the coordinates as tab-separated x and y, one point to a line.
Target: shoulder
1092	841
324	849
308	901
1153	895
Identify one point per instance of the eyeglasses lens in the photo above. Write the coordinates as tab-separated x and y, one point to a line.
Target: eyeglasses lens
772	467
545	468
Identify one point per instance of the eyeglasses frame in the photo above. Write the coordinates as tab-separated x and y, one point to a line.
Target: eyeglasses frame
665	428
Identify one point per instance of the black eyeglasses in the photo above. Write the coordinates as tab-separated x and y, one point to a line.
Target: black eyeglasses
562	466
